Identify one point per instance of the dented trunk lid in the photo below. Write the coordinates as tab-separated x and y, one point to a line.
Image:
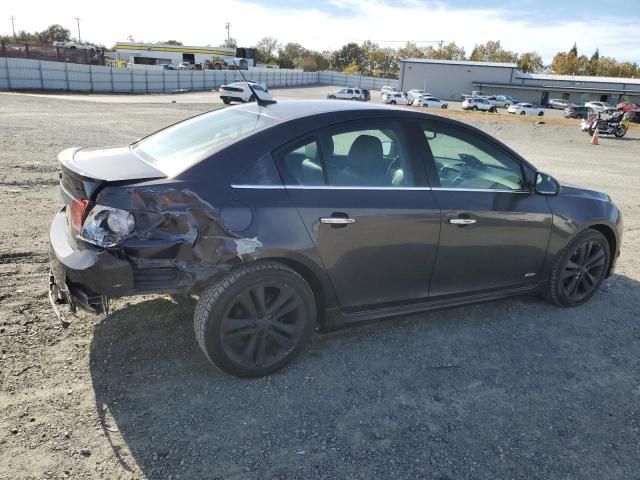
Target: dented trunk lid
85	170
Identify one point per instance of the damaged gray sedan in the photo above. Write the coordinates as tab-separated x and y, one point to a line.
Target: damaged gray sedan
303	215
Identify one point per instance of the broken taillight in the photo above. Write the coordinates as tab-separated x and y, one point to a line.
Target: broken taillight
78	210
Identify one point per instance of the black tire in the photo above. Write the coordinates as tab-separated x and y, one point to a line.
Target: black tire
235	300
568	290
474	108
620	131
252	98
332	97
523	113
445	107
492	110
507	105
540	114
225	100
392	102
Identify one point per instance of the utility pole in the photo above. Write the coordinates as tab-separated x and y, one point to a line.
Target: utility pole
77	19
227	25
13	27
441	42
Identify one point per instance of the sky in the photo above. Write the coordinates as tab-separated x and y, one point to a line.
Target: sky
546	26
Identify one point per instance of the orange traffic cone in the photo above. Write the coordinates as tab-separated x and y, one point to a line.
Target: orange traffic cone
595	140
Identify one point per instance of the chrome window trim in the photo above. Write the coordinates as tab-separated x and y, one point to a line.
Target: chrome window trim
341	187
326	187
500	190
346	187
259	187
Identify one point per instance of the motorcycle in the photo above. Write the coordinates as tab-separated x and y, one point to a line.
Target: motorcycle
614	125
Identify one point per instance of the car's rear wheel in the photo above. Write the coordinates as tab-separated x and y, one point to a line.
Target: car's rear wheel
492	110
579	269
332	97
540	114
523	113
226	101
475	109
256	319
445	107
392	102
507	105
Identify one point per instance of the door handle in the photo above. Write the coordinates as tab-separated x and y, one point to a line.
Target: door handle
462	221
337	220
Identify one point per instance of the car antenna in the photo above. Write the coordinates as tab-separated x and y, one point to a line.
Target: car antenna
259	101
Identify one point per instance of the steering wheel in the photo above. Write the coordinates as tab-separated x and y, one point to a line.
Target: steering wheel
389	171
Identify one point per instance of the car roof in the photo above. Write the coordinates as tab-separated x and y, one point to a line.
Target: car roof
286	110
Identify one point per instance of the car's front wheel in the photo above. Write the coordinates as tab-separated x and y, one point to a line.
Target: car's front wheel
256	319
579	269
523	113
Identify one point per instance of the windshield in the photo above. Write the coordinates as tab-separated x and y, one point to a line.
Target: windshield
180	146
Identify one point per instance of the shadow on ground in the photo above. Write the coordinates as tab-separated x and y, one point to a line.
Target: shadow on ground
510	389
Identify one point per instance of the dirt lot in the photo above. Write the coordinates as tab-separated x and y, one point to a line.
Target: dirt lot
506	390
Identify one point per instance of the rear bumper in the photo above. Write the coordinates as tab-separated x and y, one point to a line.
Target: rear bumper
84	275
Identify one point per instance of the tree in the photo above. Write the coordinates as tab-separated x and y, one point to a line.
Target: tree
289	54
530	62
172	42
266	50
347	55
492	51
352	69
410	50
54	33
230	43
592	68
574	49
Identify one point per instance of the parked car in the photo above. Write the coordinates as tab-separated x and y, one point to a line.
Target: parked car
478	104
597	106
632	116
577	111
240	92
428	101
503	101
168	66
526	109
387	88
474	94
394	98
558	103
347	94
266	213
186	66
415	93
626	106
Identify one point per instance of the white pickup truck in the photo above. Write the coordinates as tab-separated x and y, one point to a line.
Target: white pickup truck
474	94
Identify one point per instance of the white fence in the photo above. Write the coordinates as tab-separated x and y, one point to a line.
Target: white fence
25	74
372	83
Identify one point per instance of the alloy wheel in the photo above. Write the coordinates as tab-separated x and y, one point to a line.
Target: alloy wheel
584	270
262	325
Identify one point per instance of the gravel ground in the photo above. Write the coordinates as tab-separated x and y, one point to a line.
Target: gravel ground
513	389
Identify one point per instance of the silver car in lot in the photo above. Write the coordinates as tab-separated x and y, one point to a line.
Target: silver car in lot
502	101
478	104
558	103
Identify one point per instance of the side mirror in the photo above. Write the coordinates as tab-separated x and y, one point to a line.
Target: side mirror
546	184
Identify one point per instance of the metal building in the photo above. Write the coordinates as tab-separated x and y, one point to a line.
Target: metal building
449	79
160	54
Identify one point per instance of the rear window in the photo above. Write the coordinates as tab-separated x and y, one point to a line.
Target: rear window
180	146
